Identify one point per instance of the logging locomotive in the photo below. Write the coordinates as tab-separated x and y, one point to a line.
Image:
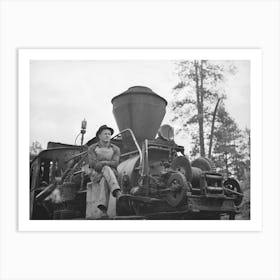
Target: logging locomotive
157	179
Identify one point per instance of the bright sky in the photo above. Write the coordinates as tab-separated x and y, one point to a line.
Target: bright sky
63	93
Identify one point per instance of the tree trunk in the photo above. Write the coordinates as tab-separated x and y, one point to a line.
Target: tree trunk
212	129
249	143
199	99
226	162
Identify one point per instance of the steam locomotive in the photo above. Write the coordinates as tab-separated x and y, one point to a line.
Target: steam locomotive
157	179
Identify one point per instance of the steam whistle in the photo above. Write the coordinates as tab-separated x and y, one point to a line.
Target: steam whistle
83	130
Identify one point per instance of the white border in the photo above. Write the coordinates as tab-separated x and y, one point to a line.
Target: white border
24	57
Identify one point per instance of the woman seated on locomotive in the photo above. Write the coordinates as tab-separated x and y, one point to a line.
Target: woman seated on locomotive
103	159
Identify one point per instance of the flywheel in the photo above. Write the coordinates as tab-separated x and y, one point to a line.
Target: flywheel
205	164
182	164
233	189
178	189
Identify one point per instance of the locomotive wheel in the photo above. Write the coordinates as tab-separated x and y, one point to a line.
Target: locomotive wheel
178	189
182	164
233	185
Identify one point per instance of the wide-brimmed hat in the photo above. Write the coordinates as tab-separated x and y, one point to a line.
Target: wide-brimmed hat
103	127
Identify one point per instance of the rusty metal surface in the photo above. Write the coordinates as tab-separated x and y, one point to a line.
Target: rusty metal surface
183	165
201	163
127	168
141	110
60	155
178	189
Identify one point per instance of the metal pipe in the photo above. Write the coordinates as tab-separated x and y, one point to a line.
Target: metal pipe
231	191
75	156
212	176
214	189
135	142
128	153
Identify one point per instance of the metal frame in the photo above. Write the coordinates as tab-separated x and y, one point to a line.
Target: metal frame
135	142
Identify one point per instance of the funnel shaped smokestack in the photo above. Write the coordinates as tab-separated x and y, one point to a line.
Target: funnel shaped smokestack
141	110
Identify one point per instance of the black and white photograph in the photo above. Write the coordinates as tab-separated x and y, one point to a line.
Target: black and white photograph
140	139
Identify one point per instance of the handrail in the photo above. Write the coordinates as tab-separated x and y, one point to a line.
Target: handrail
135	142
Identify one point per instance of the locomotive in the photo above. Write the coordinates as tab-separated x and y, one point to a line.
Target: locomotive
158	181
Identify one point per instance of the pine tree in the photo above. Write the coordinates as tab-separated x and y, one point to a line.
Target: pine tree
231	151
200	86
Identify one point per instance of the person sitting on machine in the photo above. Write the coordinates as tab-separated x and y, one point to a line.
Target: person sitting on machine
103	159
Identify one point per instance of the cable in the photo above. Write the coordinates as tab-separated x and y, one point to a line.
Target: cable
77	138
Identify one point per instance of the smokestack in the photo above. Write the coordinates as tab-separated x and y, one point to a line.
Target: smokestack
141	110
